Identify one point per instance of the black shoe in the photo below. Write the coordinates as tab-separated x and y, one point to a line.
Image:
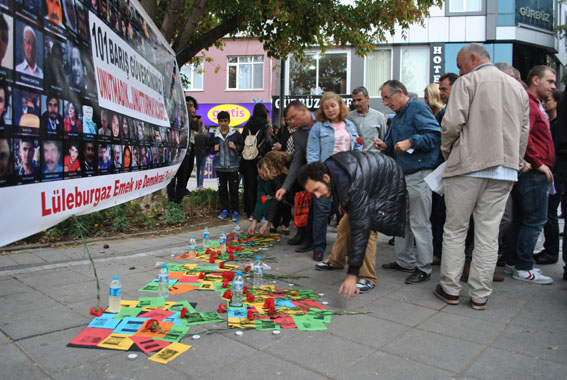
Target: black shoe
325	265
285	232
391	241
304	248
396	266
417	277
318	256
297	239
545	259
273	230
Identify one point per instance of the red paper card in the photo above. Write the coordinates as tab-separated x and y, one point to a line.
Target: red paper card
90	336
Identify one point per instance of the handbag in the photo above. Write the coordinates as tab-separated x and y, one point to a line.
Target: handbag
303	200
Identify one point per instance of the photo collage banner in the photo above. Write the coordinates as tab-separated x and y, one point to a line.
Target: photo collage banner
92	112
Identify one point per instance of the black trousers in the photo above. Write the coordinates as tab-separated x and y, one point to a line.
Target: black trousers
228	181
176	188
250	178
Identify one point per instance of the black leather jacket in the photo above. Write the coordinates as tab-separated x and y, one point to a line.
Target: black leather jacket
375	198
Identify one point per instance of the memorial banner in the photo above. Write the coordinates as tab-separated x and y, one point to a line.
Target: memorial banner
92	112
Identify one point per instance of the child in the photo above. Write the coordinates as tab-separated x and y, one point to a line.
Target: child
227	144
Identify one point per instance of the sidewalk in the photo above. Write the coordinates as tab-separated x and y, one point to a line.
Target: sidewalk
46	294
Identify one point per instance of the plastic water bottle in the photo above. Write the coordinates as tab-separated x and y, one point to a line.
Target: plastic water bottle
206	237
164	282
263	221
237	288
236	231
192	246
222	242
258	272
115	295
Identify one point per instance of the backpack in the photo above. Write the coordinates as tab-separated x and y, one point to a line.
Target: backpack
250	150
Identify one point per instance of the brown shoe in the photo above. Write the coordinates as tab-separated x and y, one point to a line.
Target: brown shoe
497	278
451	300
317	256
436	261
478	305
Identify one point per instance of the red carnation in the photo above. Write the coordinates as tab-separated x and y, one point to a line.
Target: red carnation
269	303
250	297
221	308
152	324
359	140
221	264
250	315
227	294
96	311
212	258
272	309
230	256
245	290
247	268
228	275
183	312
207	251
263	198
202	275
225	284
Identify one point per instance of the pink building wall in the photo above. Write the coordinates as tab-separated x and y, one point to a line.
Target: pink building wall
215	84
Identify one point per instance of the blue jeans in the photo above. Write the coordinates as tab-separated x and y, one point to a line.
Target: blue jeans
201	162
529	197
321	212
551	228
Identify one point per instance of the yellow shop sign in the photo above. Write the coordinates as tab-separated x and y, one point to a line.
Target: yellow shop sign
238	114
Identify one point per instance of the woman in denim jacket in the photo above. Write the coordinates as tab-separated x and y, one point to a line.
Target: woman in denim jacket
332	133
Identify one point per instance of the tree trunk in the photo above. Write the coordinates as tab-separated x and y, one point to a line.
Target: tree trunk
190	24
168	26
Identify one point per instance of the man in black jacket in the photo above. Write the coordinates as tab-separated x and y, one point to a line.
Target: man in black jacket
370	189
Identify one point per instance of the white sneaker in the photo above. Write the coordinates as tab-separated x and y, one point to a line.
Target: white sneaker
509	269
532	276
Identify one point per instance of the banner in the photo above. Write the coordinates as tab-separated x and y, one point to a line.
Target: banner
92	112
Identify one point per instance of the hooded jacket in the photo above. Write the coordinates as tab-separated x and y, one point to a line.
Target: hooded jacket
226	159
371	189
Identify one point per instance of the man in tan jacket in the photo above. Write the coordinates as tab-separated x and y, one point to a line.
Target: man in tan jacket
484	136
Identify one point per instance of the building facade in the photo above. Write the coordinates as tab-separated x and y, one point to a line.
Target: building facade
518	32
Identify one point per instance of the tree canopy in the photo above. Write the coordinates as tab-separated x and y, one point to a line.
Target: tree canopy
283	26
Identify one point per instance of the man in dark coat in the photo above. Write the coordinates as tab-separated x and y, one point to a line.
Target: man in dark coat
370	189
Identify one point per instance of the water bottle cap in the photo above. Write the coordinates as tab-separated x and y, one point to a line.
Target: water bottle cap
239	273
237	222
192	236
258	258
163	266
115	278
206	228
222	232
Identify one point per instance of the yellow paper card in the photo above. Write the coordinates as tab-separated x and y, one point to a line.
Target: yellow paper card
167	354
207	285
117	342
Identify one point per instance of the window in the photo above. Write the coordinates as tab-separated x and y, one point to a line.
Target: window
415	68
318	73
458	6
378	70
246	72
192	76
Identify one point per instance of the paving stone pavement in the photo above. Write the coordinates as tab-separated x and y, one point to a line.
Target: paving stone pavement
46	293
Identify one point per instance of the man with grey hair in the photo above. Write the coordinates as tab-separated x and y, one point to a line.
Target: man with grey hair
484	137
28	65
371	124
413	141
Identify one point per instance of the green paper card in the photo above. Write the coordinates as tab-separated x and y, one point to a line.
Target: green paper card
151	302
128	312
320	315
175	333
266	325
182	304
151	287
214	244
306	323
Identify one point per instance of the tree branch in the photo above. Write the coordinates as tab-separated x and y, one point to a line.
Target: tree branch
168	26
150	7
190	24
207	39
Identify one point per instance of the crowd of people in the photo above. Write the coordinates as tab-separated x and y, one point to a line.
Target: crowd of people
502	143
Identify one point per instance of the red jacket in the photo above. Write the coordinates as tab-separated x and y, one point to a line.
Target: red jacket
540	148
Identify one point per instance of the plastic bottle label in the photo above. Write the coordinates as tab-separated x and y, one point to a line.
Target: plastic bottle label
237	285
222	240
115	292
206	235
